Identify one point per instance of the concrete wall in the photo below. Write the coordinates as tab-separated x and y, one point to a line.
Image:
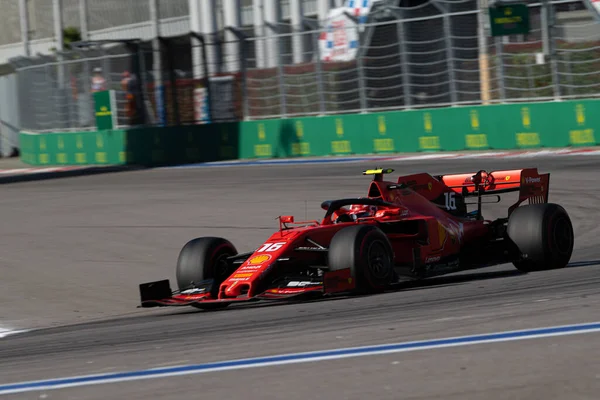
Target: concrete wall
9	114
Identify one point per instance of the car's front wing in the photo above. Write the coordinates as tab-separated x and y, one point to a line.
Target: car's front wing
159	294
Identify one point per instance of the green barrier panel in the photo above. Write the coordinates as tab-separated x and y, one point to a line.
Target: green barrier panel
73	148
498	127
182	144
140	146
494	127
578	124
260	139
387	133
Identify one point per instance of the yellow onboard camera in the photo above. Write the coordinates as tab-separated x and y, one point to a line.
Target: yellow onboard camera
378	173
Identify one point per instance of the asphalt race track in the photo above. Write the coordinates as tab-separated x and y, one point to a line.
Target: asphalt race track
73	251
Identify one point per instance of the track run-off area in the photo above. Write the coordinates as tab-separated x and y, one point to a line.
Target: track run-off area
74	250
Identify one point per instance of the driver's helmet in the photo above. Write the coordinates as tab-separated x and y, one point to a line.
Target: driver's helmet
362	211
355	212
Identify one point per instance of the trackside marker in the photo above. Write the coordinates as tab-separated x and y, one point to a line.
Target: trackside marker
27	171
296	358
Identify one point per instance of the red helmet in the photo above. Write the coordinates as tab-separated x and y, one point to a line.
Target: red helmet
362	210
353	213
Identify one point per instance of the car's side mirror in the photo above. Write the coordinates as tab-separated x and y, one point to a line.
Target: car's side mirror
287	219
389	212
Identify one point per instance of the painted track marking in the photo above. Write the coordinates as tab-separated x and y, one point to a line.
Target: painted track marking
163	372
4	332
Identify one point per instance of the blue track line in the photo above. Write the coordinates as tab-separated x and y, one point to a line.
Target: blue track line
298	358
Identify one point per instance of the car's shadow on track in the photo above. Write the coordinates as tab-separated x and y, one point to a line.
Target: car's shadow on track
452	280
410	285
578	264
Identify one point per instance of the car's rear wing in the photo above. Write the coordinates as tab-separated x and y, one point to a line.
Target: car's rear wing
530	184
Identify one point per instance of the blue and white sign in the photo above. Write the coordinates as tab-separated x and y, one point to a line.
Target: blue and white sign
341	38
339	42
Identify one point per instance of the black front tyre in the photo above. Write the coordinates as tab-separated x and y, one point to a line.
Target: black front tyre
367	251
204	259
542	235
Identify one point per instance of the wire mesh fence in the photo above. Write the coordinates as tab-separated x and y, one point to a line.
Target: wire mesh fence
409	57
432	55
522	72
55	92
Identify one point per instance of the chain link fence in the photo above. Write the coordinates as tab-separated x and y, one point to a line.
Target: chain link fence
571	69
421	56
431	55
56	92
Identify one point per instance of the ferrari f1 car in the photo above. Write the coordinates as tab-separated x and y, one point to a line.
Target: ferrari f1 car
416	227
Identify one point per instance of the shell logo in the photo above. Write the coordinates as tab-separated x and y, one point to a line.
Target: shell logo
257	260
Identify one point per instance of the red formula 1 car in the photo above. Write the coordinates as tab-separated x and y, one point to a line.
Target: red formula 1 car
414	228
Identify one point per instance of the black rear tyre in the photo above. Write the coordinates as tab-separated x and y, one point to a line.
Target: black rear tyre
542	235
367	251
204	259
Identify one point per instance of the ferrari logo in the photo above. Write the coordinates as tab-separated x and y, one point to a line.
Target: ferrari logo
474	120
261	132
79	142
42	144
429	186
61	143
507	178
526	118
99	141
580	114
507	11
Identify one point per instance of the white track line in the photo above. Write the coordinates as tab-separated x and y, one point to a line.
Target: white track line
6	332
